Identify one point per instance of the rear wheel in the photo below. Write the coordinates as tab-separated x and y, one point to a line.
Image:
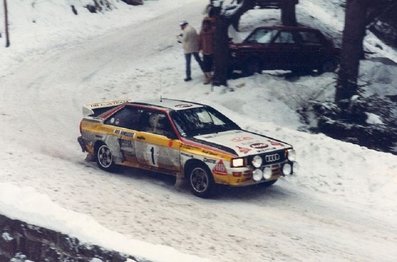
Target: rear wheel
104	158
201	181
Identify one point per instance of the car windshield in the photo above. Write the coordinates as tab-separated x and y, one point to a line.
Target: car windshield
201	121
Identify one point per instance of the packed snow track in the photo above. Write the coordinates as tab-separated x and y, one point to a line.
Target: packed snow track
341	207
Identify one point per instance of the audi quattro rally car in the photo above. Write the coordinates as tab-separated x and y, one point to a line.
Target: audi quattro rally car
182	138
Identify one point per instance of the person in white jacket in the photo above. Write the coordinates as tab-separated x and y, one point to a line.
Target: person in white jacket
190	44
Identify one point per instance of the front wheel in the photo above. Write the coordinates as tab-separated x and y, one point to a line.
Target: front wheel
104	158
201	181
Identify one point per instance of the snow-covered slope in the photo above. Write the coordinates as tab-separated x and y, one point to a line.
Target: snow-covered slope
341	207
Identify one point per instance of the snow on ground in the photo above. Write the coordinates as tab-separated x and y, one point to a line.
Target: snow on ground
341	206
39	210
38	27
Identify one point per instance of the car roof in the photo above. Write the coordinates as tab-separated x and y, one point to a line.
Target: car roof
170	104
292	28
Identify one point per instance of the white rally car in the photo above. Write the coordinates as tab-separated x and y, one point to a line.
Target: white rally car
182	138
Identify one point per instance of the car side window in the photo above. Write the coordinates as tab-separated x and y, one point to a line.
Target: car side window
285	37
310	38
128	117
262	36
157	123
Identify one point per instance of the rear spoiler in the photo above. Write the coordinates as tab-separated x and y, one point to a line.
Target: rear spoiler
96	109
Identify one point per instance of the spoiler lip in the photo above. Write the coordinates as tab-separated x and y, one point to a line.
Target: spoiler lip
88	109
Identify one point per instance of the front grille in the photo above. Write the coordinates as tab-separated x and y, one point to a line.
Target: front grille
271	158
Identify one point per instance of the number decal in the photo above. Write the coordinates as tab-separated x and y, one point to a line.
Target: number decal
152	152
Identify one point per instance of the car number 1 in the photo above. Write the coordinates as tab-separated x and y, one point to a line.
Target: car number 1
152	155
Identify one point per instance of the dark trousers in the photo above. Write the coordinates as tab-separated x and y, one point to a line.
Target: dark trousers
188	58
208	63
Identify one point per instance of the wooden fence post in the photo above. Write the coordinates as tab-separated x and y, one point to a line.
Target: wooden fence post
6	24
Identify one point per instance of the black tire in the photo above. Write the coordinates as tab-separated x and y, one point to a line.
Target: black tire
201	181
251	67
328	66
104	157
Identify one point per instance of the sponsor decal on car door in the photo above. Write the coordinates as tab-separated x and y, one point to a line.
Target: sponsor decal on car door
127	144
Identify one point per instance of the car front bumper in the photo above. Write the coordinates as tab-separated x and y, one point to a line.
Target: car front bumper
240	177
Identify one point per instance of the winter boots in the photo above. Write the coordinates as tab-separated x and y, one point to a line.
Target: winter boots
207	78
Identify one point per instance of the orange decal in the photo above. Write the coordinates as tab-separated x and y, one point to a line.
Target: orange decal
220	169
243	150
170	143
275	143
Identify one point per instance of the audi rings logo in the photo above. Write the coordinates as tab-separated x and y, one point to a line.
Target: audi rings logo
272	158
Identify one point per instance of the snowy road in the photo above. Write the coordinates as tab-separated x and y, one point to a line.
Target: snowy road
341	208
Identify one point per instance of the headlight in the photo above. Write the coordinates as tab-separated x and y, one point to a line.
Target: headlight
257	161
287	169
238	162
257	175
291	154
267	173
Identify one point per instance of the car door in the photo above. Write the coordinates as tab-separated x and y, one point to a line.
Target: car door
258	47
286	50
156	144
125	123
311	43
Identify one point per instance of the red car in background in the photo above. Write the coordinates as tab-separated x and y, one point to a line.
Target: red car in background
285	48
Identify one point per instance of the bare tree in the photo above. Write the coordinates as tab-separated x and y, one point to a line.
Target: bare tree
352	49
225	14
229	14
288	12
359	13
6	23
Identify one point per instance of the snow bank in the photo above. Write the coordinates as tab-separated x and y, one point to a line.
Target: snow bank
354	186
31	207
36	26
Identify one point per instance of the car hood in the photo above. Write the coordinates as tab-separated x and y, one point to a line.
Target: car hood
244	143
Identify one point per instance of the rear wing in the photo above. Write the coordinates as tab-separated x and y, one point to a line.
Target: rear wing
95	109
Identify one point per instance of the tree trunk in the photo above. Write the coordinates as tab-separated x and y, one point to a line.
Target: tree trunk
221	51
221	41
6	23
288	12
352	49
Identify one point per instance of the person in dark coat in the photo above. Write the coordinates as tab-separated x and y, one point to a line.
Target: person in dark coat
206	45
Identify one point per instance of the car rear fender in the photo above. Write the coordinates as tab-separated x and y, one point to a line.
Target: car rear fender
113	143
